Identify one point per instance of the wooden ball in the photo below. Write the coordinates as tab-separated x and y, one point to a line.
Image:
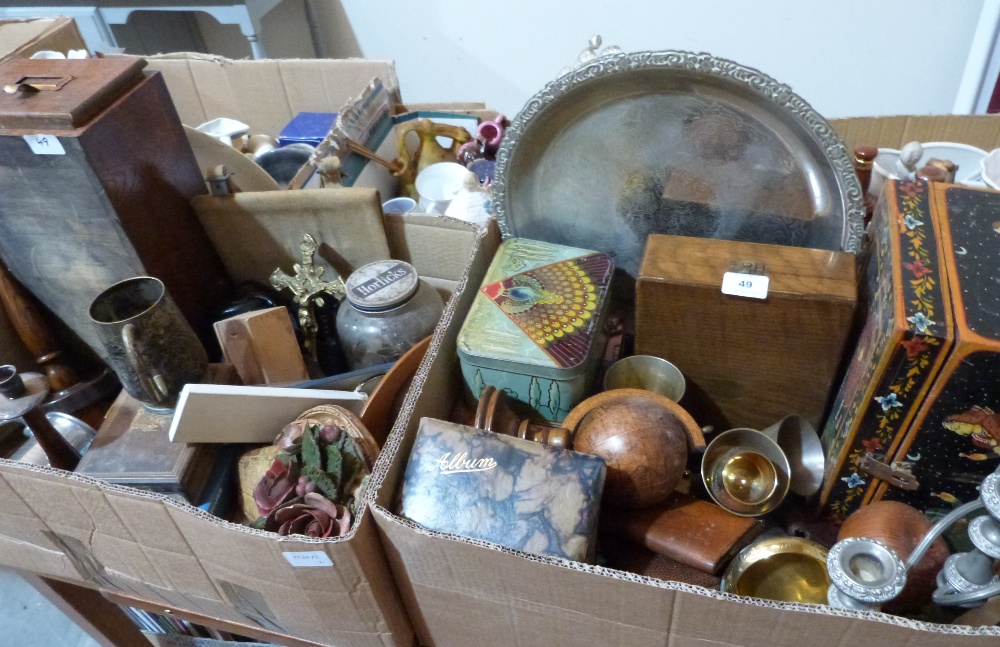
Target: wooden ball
644	444
901	527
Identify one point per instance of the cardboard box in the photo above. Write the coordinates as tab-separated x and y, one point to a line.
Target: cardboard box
167	553
462	592
22	38
265	94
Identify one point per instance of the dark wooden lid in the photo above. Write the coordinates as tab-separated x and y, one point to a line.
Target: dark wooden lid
85	88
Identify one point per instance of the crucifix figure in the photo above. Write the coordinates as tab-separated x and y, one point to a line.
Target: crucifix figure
307	289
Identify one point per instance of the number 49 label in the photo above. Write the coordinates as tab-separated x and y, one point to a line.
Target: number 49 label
753	286
45	144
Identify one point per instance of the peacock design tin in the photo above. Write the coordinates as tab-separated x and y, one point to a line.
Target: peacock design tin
536	325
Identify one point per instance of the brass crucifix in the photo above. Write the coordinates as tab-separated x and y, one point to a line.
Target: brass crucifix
307	289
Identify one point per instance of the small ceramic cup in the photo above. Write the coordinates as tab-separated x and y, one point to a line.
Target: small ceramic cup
48	54
399	205
438	184
648	373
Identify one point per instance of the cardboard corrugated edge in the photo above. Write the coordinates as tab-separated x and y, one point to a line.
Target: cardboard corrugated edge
265	94
145	545
460	591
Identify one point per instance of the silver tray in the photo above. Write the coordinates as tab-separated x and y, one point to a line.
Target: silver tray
675	143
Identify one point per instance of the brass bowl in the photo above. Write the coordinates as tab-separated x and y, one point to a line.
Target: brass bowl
745	472
783	569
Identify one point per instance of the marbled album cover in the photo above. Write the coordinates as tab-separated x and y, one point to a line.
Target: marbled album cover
516	493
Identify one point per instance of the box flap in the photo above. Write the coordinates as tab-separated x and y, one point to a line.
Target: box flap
982	131
265	94
22	38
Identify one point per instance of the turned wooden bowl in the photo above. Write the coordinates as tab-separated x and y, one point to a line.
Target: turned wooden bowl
644	439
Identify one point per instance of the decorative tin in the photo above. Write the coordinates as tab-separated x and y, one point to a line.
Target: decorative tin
533	329
517	493
921	395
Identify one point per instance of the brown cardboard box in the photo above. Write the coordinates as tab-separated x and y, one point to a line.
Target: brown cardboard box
22	38
142	545
264	94
462	592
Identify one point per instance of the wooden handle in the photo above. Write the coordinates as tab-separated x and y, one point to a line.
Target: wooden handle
864	157
932	174
354	147
550	435
61	454
36	335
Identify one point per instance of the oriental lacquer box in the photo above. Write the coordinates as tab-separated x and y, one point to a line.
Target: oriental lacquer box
513	492
921	398
535	328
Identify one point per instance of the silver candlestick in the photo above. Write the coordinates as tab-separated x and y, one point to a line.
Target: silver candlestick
861	569
865	574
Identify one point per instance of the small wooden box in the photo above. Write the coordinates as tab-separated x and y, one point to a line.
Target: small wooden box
921	395
748	362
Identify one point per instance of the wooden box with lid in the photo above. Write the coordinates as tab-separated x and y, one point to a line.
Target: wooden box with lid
748	362
916	416
97	178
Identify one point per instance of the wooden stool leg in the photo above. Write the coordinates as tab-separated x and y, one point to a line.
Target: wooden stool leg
102	620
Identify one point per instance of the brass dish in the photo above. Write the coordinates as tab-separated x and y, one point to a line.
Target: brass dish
784	569
673	142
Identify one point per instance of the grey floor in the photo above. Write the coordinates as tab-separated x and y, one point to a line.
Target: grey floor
29	620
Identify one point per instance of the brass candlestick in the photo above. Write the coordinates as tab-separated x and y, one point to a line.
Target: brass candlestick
307	289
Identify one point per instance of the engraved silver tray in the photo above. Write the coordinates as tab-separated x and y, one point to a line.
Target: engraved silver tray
675	143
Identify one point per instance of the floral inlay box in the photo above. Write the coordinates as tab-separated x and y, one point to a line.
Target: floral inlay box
921	395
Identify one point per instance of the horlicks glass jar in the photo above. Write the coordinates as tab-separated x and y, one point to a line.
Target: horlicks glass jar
387	311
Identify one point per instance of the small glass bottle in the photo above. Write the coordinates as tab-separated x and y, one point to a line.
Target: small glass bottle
387	311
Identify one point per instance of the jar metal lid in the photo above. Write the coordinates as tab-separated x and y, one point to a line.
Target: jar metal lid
382	285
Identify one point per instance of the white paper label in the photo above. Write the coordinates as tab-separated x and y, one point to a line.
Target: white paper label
745	285
45	144
308	558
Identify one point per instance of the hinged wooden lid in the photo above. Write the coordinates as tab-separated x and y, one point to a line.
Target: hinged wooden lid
47	96
792	270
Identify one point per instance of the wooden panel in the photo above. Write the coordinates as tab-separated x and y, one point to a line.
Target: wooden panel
748	362
101	619
262	347
250	631
954	439
65	251
141	156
